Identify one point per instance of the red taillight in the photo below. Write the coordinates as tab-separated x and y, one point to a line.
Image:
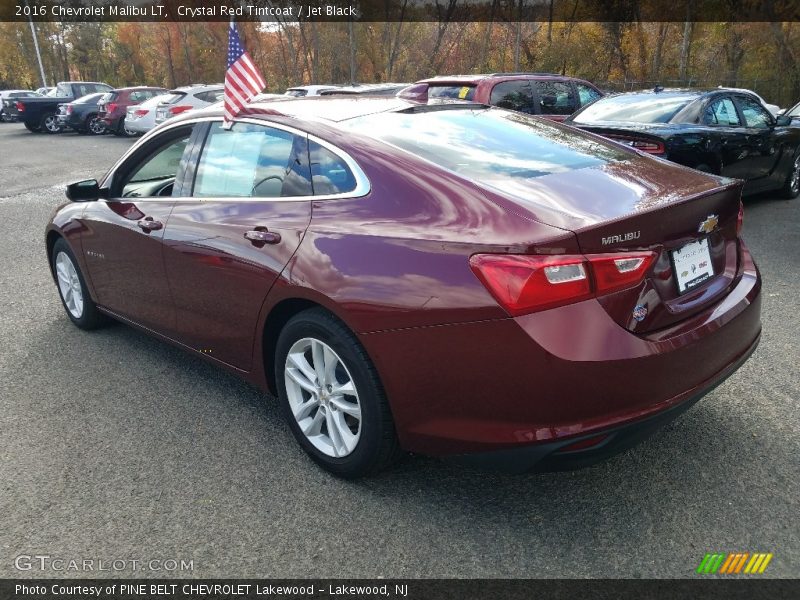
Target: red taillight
176	110
111	107
523	283
68	109
20	106
740	219
141	112
649	146
530	283
614	272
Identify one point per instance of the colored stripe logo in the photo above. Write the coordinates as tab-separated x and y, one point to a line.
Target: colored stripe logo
734	563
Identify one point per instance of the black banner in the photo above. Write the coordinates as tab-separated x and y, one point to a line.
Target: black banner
744	588
411	10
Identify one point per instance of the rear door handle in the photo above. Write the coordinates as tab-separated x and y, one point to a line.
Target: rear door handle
148	224
262	236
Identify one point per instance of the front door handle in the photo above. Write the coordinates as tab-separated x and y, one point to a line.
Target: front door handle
262	236
148	224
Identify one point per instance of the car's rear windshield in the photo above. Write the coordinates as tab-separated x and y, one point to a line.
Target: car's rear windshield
492	146
110	97
452	91
637	108
89	99
296	92
172	97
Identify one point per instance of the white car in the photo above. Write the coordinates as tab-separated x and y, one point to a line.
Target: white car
187	98
141	118
774	109
308	90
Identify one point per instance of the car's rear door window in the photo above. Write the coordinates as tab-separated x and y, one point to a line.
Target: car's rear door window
514	95
555	97
721	112
250	160
329	172
452	91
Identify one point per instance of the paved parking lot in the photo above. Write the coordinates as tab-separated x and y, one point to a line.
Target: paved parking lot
116	446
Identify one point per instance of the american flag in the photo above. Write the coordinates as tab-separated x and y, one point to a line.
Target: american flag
243	80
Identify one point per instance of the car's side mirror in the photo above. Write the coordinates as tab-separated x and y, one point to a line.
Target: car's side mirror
83	191
783	120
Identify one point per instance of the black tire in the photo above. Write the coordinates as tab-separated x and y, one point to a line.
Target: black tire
90	317
377	446
791	186
49	123
31	128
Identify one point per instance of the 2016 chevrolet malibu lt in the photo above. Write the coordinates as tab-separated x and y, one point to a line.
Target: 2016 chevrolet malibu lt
453	279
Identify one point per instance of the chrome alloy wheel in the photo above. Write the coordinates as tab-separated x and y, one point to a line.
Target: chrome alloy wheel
51	124
323	397
69	285
794	182
97	126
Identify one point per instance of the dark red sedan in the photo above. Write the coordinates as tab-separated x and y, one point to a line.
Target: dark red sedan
453	279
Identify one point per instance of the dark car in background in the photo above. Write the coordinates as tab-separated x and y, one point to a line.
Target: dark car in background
721	131
8	111
41	114
532	297
82	115
546	94
113	106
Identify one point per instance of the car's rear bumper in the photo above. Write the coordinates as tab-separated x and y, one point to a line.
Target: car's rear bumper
585	450
538	382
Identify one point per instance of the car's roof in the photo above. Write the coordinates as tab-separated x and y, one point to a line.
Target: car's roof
333	108
137	87
311	88
476	78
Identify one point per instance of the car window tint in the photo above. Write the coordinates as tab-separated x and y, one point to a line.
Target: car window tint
754	114
329	173
156	171
252	161
722	112
453	92
513	95
555	97
586	94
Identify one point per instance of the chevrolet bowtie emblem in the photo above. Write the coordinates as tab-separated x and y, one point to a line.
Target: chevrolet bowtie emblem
709	224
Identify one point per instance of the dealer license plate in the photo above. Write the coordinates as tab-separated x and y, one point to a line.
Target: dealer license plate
692	265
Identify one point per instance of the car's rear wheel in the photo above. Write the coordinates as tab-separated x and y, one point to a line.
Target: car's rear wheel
31	128
332	396
49	123
791	187
95	125
72	289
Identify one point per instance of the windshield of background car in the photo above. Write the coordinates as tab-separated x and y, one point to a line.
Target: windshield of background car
492	146
635	108
454	92
295	93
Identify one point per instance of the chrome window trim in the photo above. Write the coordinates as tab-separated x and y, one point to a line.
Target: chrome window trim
363	185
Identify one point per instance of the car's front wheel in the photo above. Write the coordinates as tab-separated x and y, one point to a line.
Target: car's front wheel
332	397
72	289
791	187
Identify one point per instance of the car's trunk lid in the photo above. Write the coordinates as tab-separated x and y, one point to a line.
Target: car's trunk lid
643	205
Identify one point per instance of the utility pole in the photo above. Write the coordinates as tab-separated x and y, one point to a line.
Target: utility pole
36	45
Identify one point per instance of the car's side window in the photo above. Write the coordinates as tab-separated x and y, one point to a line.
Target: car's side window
155	175
513	95
586	94
754	114
555	97
251	160
721	112
329	173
